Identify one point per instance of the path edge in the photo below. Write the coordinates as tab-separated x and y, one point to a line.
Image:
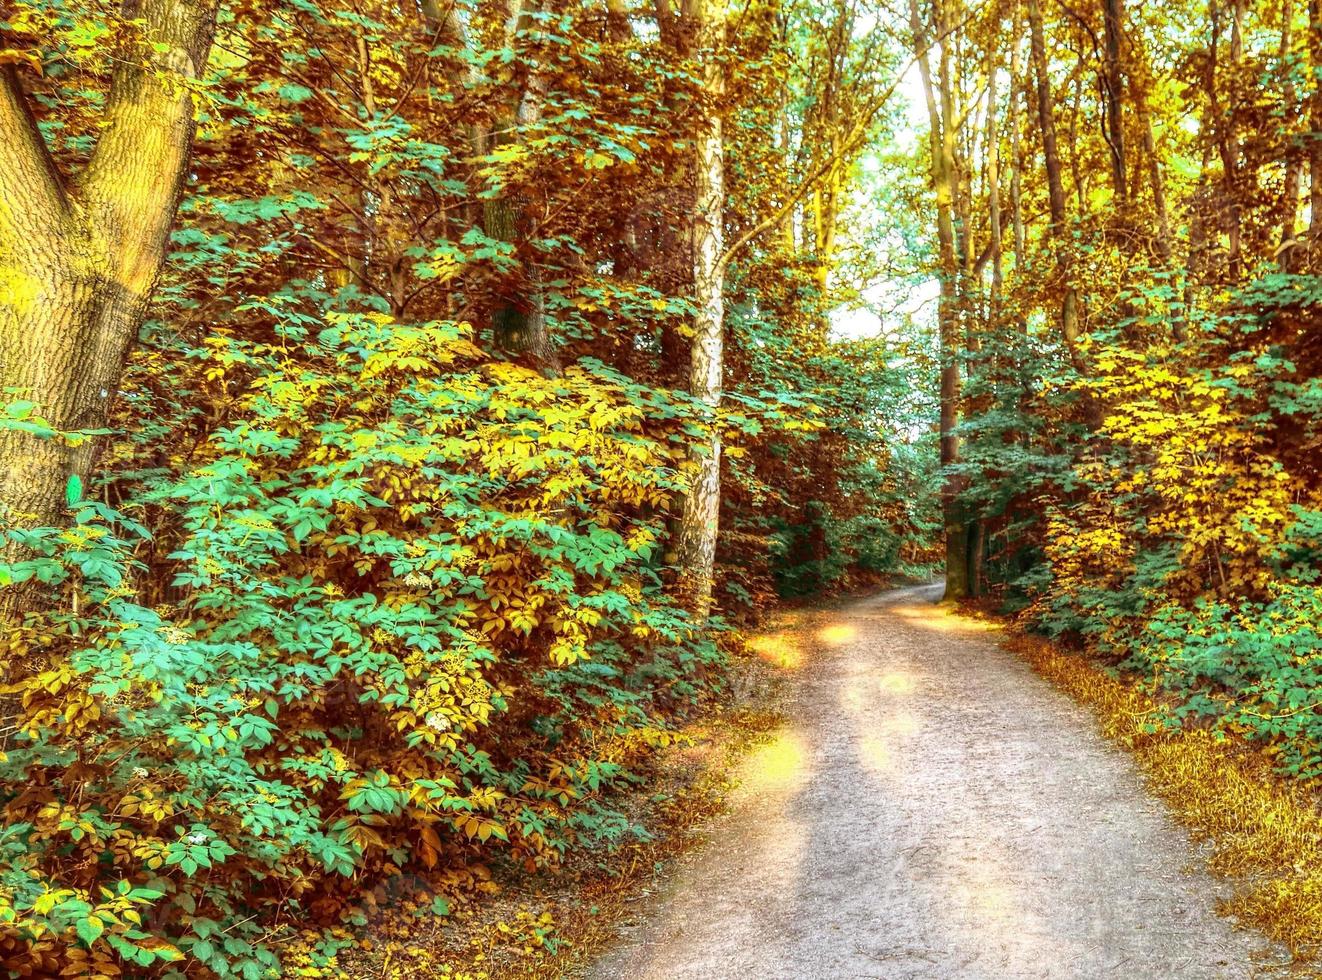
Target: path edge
1264	834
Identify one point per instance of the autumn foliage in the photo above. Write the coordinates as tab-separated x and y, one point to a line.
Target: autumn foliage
373	577
1135	338
365	571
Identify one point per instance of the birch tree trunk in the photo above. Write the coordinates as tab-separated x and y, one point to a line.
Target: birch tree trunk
699	522
78	263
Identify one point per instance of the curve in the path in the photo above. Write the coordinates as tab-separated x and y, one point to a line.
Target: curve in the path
933	809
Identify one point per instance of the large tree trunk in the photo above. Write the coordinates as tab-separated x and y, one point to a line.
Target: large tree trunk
942	145
81	262
696	546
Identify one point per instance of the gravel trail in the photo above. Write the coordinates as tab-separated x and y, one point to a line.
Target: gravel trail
933	809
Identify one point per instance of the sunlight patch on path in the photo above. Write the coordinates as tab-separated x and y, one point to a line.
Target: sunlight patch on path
837	634
779	766
782	649
943	620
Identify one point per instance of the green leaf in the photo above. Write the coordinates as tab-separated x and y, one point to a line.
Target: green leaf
73	490
89	929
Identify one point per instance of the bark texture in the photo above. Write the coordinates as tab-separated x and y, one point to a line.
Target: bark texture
696	545
78	262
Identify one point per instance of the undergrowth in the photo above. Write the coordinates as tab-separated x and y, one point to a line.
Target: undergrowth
538	927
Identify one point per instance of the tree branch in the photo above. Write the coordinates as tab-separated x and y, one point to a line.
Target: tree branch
137	171
31	192
855	138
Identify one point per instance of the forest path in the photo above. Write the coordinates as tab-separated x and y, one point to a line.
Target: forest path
933	809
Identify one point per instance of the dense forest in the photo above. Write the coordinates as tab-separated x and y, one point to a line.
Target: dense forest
407	404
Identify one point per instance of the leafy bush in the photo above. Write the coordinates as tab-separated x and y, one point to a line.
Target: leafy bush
419	619
1183	543
1253	668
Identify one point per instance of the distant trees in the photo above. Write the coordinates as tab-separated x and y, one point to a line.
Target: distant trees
1130	415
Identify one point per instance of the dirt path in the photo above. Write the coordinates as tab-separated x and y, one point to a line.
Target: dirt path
933	809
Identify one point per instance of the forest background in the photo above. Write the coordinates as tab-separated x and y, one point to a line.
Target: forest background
406	403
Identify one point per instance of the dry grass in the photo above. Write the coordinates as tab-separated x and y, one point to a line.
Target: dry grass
1265	833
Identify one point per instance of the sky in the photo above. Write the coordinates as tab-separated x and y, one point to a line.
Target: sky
854	324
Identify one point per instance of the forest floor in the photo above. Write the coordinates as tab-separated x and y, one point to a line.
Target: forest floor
931	808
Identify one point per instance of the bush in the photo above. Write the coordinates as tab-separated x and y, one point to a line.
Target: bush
417	619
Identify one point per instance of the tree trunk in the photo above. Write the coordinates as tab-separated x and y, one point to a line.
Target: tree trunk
826	219
994	193
787	223
1113	14
519	324
82	261
1315	125
696	546
1157	182
1016	150
1227	143
942	145
1069	316
1294	163
977	558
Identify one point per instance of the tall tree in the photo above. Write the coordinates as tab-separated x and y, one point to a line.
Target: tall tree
80	258
696	550
944	179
